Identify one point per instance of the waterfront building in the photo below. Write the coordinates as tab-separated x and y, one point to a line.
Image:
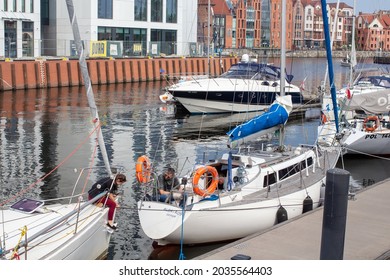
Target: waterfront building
276	22
373	31
138	28
121	28
20	26
343	34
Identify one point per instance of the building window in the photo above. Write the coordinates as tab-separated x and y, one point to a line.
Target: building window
165	40
5	5
45	12
105	9
171	11
140	10
134	39
23	3
28	38
31	6
10	32
14	6
156	10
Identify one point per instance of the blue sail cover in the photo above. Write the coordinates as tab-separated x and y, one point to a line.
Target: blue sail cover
276	115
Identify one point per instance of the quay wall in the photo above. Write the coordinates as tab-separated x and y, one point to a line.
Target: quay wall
62	72
25	74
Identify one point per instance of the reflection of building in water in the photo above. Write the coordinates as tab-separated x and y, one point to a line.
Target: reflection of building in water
37	134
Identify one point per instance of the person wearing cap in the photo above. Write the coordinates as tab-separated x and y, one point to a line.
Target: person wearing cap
111	186
165	183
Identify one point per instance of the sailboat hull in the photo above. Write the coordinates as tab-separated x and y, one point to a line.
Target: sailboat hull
220	223
359	141
252	204
82	236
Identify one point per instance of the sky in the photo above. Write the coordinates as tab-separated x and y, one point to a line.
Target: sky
367	6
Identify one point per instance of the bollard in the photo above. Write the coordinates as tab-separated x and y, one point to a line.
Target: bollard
335	214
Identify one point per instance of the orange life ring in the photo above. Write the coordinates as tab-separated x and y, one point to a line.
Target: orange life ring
143	169
214	182
372	128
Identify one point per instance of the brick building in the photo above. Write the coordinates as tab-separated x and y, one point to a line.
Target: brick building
257	23
373	31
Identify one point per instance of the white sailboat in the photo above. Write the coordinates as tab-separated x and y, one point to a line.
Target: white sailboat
262	187
364	111
363	108
32	230
368	131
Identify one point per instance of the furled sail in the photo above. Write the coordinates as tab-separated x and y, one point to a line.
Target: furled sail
373	101
265	123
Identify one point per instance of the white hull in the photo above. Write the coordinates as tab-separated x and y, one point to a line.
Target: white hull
86	240
358	141
220	223
245	91
199	106
370	94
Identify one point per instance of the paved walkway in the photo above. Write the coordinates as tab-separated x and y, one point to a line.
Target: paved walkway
367	234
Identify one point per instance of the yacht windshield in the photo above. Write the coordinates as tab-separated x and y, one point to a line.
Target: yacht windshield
253	71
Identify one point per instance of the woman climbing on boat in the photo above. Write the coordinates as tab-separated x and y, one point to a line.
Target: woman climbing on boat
111	186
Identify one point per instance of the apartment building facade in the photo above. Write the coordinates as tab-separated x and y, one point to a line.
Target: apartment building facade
33	28
20	28
373	31
126	28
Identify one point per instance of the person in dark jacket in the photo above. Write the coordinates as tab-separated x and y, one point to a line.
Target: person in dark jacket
166	182
111	186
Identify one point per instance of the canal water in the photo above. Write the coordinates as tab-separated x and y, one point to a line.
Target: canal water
41	127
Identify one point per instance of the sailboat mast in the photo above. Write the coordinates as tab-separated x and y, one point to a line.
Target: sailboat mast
208	36
332	40
330	63
283	49
283	62
87	81
353	49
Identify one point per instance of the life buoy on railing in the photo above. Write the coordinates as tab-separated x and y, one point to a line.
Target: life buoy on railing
371	119
213	184
143	169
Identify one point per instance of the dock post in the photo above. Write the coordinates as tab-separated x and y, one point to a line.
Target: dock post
335	214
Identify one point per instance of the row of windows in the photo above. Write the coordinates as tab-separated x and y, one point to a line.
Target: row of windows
18	6
10	38
105	10
135	39
270	179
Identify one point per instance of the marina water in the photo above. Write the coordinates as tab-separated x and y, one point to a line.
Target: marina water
39	128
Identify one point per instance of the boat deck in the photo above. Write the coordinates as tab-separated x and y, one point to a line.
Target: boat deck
299	180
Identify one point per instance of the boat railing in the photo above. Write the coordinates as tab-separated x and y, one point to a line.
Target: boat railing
24	243
82	174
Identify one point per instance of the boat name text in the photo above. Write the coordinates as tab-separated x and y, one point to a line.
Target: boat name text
376	136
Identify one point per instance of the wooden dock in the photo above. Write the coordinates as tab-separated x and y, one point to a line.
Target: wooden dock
367	235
